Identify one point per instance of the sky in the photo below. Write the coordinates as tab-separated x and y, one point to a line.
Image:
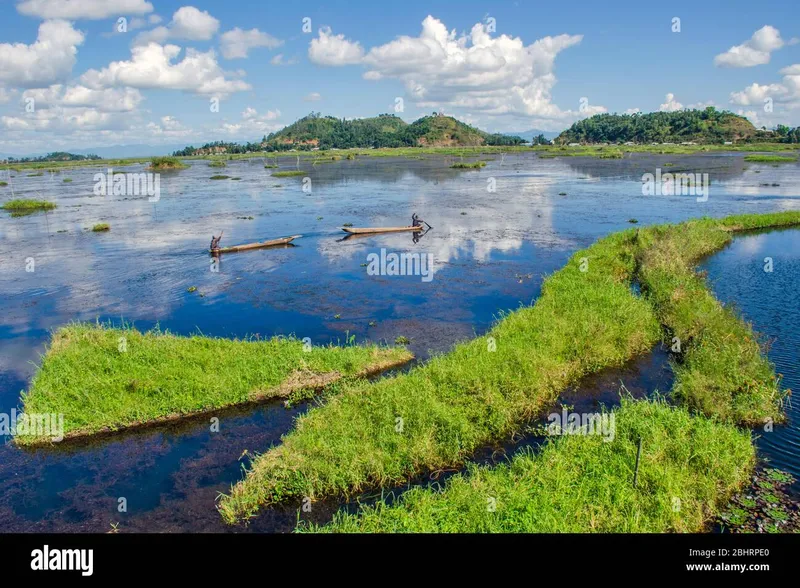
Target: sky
92	73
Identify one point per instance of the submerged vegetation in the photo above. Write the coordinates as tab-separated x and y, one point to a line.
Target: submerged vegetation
587	318
102	378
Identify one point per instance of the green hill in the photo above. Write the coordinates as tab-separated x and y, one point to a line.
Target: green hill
699	126
385	130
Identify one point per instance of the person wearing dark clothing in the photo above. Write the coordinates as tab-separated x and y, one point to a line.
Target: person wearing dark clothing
416	221
215	241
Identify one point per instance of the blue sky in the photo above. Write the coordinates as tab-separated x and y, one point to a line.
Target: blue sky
69	78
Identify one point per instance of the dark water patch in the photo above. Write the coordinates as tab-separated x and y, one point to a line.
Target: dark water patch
169	477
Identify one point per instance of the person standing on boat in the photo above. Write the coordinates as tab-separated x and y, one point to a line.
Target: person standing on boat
215	241
416	221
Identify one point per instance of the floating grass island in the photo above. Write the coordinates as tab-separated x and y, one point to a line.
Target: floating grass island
22	207
466	165
106	379
757	158
586	319
219	177
101	227
166	163
288	173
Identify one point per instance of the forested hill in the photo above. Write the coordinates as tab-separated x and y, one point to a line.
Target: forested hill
385	130
700	126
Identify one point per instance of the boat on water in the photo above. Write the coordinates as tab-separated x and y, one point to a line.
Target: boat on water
370	230
260	245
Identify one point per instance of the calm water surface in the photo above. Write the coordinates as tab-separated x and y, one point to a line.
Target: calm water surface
770	301
491	251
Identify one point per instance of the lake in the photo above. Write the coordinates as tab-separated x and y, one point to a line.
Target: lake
496	233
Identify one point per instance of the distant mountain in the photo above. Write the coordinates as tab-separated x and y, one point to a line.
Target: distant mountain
700	126
385	130
122	151
109	152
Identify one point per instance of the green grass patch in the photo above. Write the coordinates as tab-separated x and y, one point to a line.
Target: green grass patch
288	173
580	484
219	177
217	163
67	180
102	378
692	455
482	391
166	163
3	183
469	165
21	207
722	371
770	159
101	227
586	319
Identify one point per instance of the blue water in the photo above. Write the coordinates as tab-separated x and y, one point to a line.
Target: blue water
491	251
770	301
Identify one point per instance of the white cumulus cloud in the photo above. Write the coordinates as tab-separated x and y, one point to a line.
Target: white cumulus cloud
334	50
78	96
188	23
236	43
670	104
783	97
755	51
83	9
49	59
154	66
473	72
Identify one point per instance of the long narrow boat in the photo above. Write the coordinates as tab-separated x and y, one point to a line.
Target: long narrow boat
366	231
261	245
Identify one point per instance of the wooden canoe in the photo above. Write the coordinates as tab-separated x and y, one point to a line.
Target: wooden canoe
261	245
367	231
